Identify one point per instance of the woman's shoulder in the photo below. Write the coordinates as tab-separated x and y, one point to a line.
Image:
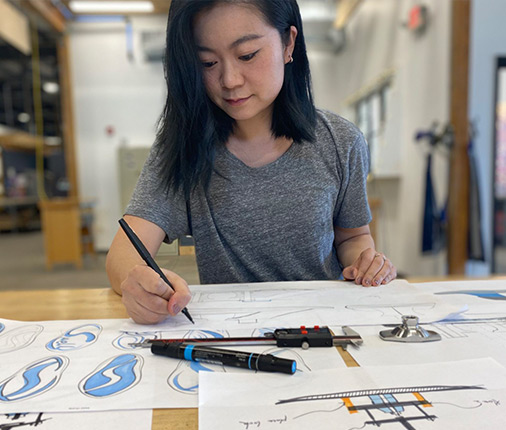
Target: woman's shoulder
331	126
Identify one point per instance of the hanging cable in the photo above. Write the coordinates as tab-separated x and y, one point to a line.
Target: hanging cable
38	114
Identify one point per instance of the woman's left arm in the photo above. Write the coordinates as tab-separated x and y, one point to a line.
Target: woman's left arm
360	260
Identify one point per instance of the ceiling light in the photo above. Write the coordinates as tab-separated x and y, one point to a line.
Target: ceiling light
81	6
50	87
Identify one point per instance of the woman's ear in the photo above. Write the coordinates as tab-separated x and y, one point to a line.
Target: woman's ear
290	45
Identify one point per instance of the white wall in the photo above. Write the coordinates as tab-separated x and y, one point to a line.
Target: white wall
488	41
377	43
111	90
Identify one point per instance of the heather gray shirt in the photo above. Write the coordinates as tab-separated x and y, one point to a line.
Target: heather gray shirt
272	223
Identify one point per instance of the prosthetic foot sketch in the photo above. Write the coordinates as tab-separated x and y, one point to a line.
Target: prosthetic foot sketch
114	376
402	405
34	379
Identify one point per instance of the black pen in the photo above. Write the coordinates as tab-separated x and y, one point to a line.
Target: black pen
146	256
227	357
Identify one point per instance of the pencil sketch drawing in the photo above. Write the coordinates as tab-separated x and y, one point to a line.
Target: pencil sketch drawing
19	337
125	339
14	421
34	379
76	338
114	376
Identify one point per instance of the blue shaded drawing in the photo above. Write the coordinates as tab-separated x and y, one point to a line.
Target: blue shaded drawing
114	376
19	337
2	326
76	338
124	340
384	401
482	294
34	379
184	378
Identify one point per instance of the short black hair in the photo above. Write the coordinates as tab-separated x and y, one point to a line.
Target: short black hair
191	125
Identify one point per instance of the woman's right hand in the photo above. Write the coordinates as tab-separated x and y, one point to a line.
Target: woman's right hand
148	299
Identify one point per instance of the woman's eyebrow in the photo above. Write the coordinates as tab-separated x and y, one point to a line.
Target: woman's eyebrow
235	43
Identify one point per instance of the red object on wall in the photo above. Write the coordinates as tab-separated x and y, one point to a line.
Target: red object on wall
417	18
110	130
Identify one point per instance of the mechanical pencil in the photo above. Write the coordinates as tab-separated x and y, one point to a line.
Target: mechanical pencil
146	256
246	360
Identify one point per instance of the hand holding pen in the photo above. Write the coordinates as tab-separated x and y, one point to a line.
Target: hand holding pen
149	293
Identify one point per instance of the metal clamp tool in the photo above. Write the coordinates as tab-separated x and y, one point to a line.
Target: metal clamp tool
409	331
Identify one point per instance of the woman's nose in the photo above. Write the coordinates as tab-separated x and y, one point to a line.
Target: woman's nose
231	76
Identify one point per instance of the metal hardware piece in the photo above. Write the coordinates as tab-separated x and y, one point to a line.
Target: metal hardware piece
409	331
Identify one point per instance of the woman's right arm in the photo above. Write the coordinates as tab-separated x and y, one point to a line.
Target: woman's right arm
147	298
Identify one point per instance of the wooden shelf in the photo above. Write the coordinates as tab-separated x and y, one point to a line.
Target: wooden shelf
21	141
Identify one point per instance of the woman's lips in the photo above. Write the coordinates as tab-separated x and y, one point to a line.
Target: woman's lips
237	102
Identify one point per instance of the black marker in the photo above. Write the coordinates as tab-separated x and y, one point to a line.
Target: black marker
146	256
246	360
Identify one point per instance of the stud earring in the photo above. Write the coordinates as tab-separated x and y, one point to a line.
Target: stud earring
291	59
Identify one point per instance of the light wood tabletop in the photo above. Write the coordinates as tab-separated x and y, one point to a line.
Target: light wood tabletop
102	303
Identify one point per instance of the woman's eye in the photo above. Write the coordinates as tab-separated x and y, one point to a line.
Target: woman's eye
208	64
248	57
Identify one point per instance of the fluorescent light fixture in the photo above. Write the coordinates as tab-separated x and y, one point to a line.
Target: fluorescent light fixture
82	6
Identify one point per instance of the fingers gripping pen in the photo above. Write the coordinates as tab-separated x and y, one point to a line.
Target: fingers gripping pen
246	360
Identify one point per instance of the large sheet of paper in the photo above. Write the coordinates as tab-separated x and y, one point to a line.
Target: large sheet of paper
478	331
291	304
450	396
58	366
110	420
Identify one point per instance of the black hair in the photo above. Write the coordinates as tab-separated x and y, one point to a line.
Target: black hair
191	125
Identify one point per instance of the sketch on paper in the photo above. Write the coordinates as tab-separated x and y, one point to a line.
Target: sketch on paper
76	338
250	295
402	405
110	420
19	337
493	328
126	339
184	378
113	377
34	379
395	310
256	315
13	421
482	294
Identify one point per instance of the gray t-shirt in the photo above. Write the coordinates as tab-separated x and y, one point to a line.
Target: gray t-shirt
272	223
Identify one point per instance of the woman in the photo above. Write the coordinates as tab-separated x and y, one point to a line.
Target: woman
270	188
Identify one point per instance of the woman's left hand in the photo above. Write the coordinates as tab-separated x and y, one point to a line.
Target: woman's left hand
370	269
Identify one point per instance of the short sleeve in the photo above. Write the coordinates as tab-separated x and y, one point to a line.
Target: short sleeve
151	202
352	208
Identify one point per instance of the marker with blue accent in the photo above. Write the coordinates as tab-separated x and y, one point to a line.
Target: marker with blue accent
226	357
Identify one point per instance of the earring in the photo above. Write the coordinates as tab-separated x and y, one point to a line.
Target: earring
291	59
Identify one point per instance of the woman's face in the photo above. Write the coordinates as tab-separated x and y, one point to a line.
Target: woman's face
243	59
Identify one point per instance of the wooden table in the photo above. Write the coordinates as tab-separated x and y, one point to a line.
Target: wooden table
103	303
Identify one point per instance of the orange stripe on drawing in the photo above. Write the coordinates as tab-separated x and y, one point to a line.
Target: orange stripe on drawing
424	402
349	405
